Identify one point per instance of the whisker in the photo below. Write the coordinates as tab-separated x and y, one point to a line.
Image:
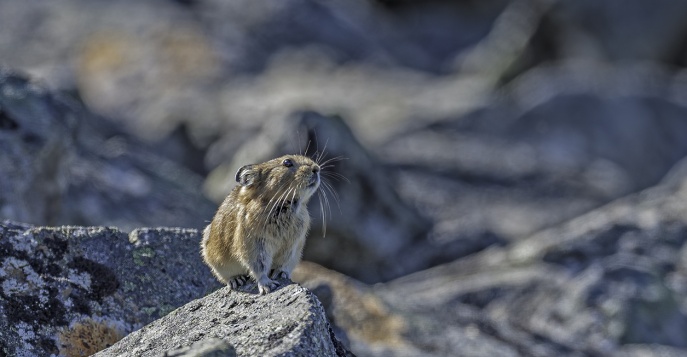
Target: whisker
330	172
298	135
317	145
307	147
335	175
324	219
322	154
333	159
326	199
276	202
328	187
277	196
293	194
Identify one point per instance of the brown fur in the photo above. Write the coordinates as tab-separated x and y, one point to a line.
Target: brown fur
261	225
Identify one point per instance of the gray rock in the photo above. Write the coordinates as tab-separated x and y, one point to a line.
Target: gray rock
355	31
73	290
563	140
360	320
57	168
367	225
151	42
621	30
37	144
180	64
610	282
287	322
209	347
372	326
638	350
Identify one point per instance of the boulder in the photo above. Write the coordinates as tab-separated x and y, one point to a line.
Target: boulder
371	325
76	290
289	321
120	56
360	319
204	63
609	282
619	30
57	167
562	140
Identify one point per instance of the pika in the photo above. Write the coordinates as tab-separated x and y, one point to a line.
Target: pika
259	230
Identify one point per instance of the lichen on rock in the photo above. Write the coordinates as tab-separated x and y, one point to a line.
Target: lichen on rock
86	337
74	289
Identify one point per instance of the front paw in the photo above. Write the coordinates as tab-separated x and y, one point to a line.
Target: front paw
266	285
237	281
280	274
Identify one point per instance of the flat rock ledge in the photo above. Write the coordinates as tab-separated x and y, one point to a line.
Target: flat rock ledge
287	322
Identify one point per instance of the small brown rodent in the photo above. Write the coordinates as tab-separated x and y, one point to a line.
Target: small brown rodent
261	225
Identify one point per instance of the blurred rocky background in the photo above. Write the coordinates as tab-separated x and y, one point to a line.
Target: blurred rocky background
505	177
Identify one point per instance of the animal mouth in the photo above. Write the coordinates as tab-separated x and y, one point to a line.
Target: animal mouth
314	180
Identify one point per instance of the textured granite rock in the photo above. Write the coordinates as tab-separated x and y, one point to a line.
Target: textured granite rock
73	290
287	322
210	347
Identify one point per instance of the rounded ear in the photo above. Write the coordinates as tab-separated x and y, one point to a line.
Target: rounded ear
245	175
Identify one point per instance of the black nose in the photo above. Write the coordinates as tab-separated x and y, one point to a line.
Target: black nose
315	169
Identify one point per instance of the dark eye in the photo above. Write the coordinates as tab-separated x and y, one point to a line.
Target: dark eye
287	163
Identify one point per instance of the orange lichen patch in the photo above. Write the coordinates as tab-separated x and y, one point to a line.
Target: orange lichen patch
87	337
356	310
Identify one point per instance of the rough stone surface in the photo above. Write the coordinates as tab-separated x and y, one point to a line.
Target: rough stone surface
610	282
287	322
57	168
359	318
73	290
564	142
209	347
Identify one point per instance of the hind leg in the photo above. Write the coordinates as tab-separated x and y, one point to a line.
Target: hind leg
233	274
